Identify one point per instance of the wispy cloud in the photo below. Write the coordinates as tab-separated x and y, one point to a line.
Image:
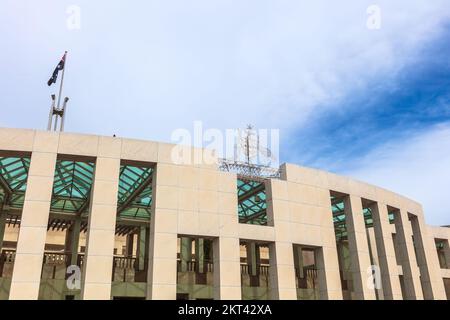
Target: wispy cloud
156	66
393	132
388	107
418	167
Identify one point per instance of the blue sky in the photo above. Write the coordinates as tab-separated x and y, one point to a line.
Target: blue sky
371	104
417	98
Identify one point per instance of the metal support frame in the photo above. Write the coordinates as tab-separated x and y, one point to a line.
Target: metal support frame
248	169
249	190
135	193
57	113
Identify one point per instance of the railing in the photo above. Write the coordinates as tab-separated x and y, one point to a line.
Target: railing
209	267
191	266
309	279
263	269
54	265
57	258
125	262
260	279
190	273
126	269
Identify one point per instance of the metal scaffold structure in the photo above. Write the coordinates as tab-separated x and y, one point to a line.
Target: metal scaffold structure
252	177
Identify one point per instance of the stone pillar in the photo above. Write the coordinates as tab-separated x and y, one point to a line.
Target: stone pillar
386	253
282	284
298	260
281	272
431	279
185	253
343	260
328	273
98	259
359	248
129	244
27	270
227	270
446	253
142	247
162	270
375	261
226	247
200	255
411	275
73	240
2	227
253	259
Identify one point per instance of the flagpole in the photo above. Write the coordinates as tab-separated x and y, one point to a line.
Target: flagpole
62	79
60	90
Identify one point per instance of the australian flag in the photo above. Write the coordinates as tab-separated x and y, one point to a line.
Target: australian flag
59	67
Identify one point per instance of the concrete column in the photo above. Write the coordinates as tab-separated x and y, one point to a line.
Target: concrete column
2	227
446	253
162	270
227	269
253	259
26	275
343	262
281	272
142	247
298	260
328	273
375	261
129	244
185	253
411	275
73	240
431	279
98	259
326	257
359	248
386	253
200	255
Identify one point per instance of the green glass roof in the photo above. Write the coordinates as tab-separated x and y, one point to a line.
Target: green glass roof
135	192
369	220
72	186
368	217
340	227
391	218
337	206
13	179
252	204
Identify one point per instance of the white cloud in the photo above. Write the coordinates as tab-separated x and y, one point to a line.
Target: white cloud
275	62
417	167
152	67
